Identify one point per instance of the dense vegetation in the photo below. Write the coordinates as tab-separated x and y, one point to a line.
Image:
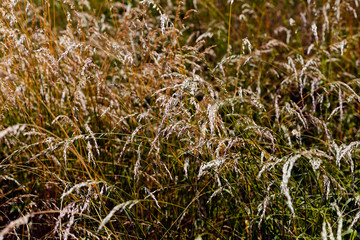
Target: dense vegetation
186	119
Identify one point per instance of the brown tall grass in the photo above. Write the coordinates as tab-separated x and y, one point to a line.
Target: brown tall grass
179	119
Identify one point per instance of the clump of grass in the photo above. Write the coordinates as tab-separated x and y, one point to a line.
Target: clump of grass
179	119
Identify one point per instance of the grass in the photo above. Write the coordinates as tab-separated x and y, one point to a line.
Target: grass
179	119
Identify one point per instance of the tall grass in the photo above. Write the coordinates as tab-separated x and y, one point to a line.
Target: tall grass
179	119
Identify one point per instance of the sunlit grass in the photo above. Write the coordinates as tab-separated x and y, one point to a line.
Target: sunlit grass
179	119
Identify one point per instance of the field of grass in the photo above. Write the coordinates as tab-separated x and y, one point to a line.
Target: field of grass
179	119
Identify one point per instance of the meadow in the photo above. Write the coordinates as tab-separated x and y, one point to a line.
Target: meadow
179	119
